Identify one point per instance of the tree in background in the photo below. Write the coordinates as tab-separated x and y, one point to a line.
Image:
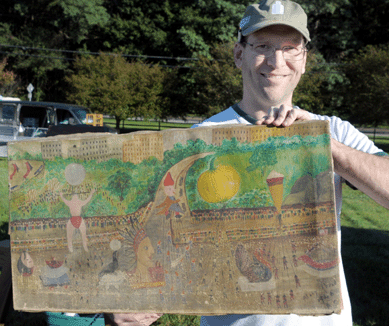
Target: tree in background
367	95
332	26
41	39
218	82
175	28
47	24
168	31
317	89
110	85
8	80
307	93
205	23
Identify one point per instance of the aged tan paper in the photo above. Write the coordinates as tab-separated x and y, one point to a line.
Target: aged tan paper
228	219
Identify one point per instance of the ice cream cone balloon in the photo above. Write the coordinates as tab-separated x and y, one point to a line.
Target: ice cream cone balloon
275	182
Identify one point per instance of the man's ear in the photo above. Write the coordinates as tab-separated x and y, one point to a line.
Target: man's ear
304	63
238	55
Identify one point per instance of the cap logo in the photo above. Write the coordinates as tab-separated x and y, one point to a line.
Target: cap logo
244	21
277	8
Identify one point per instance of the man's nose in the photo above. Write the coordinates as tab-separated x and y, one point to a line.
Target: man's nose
276	60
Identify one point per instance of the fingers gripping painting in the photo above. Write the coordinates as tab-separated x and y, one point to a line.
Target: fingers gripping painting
228	219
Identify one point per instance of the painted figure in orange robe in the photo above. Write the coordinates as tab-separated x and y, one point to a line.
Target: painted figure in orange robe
170	204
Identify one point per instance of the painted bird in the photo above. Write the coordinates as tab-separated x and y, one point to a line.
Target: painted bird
251	267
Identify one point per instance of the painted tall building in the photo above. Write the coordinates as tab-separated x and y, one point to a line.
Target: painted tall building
143	146
250	134
51	149
241	133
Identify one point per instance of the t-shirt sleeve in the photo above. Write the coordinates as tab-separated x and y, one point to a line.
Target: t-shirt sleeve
347	134
225	117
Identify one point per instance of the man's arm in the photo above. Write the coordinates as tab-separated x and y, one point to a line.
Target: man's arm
133	319
369	173
63	198
86	201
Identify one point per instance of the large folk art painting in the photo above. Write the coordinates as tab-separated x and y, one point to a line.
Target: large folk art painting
212	220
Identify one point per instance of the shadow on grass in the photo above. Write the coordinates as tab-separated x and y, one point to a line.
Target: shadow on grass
365	256
134	128
384	147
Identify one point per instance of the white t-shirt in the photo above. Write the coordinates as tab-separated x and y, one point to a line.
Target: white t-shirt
345	133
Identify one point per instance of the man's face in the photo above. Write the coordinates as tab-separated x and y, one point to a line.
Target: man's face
270	81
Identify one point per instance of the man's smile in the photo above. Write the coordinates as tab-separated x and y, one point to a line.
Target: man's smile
273	76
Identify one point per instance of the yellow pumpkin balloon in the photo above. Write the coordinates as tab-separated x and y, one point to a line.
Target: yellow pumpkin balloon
219	183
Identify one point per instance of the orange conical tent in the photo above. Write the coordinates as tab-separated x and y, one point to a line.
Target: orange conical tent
275	182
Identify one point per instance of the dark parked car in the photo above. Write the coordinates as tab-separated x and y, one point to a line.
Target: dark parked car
23	120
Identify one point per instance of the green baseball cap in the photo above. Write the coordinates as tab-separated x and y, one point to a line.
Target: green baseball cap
274	12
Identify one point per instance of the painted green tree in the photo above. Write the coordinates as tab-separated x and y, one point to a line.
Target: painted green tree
119	184
264	155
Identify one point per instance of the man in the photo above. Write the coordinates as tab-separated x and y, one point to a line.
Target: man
271	54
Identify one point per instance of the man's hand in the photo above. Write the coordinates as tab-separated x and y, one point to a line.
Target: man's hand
283	116
134	319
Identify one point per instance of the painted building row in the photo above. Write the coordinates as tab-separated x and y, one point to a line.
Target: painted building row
246	134
135	150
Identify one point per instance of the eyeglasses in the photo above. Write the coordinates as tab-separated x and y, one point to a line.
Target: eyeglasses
290	53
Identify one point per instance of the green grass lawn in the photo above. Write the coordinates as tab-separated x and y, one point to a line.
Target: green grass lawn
130	125
365	252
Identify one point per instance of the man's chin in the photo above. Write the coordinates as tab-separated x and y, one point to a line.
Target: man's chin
276	100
